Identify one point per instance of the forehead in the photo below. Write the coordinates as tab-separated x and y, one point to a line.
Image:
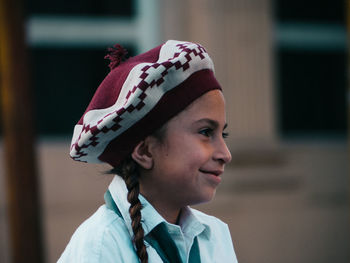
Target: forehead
211	105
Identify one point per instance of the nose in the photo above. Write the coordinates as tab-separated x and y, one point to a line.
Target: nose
222	153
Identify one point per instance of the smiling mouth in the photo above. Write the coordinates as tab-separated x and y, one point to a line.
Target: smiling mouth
214	172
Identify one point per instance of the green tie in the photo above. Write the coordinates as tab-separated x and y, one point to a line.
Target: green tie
161	241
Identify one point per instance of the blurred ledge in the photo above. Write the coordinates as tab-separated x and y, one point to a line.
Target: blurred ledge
258	157
261	153
268	183
97	31
79	31
306	36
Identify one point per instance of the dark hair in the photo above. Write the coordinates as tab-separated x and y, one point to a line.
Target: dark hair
129	171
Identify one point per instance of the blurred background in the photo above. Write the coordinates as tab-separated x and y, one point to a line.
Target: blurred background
284	70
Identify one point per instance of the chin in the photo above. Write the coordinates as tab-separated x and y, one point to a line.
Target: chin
205	198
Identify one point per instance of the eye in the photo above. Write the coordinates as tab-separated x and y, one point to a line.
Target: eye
207	132
225	135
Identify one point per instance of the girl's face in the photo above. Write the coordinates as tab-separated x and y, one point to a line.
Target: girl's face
189	161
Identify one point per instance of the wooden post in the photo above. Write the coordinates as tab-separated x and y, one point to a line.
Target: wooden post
348	62
17	126
347	8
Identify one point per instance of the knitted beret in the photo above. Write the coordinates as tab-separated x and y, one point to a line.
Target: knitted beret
138	96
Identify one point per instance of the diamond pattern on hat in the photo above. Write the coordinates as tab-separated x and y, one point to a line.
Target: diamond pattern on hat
143	88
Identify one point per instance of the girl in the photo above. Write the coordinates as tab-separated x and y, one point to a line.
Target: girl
158	118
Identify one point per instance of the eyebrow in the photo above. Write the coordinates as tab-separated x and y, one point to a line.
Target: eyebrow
211	122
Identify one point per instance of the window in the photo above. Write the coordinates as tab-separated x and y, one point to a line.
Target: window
311	62
68	42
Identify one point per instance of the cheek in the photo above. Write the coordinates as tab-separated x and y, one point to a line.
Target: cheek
185	152
196	157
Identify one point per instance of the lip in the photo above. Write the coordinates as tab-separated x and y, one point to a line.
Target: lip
213	176
214	172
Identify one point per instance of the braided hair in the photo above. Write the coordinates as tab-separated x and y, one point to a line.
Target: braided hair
129	171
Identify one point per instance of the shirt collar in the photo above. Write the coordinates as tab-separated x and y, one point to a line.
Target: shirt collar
150	217
193	225
190	224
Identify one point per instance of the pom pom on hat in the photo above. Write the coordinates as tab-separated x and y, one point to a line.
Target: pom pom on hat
116	56
138	96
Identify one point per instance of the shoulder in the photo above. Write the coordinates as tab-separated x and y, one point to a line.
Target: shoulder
218	229
206	219
218	243
101	238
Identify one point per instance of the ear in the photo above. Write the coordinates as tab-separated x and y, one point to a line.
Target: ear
142	156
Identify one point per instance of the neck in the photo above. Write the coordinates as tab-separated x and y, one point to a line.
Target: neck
167	205
170	214
167	211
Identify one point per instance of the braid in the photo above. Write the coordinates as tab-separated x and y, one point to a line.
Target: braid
129	172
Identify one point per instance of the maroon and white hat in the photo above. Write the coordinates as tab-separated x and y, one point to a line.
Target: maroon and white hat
138	96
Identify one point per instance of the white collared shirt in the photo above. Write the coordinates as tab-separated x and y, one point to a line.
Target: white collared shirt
107	237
